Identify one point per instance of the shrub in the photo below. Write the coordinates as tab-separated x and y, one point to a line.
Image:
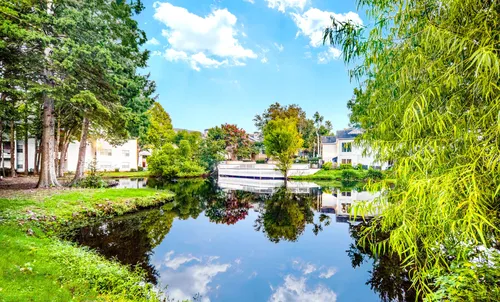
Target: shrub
140	169
260	161
374	174
170	163
314	160
349	175
93	180
359	167
133	170
327	166
345	167
117	169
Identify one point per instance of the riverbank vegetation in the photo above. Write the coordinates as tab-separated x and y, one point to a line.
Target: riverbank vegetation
429	99
37	264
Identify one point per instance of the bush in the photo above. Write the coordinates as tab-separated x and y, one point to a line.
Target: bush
133	170
117	169
374	174
93	180
140	169
170	163
314	160
327	166
349	175
260	161
346	167
359	167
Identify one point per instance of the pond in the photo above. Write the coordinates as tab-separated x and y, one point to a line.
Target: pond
251	240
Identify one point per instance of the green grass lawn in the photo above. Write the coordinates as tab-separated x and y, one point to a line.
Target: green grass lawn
331	175
35	266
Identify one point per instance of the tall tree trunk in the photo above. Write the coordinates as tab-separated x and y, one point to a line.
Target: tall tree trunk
1	149
47	169
37	156
26	157
63	166
80	166
13	150
57	143
48	176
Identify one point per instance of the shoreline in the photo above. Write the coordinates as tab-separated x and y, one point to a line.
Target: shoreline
37	263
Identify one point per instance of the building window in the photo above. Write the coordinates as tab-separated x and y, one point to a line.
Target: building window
19	166
346	147
19	149
126	153
106	152
105	166
125	165
346	161
346	194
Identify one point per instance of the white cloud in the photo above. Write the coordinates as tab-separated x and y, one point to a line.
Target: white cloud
250	1
177	261
156	53
208	42
331	54
282	5
264	60
174	55
280	47
313	22
329	273
185	281
308	268
296	290
308	54
153	41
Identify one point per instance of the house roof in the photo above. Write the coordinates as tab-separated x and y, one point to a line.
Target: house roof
328	139
348	133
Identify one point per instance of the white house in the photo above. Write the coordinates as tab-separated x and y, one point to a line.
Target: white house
342	149
109	157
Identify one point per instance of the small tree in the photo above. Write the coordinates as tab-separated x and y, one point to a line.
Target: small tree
282	141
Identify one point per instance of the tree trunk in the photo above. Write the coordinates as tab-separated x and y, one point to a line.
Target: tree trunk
63	166
1	149
37	156
57	144
47	170
13	150
81	152
26	157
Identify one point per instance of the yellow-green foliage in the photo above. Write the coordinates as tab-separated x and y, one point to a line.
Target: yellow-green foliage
430	101
282	141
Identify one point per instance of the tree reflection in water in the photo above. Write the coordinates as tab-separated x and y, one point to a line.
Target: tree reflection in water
229	207
388	278
284	216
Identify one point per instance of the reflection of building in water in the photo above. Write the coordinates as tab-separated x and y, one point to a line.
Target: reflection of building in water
265	186
340	202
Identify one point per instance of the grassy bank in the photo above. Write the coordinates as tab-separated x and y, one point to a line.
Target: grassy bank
332	175
36	266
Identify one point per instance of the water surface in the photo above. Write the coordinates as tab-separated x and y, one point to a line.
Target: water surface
249	240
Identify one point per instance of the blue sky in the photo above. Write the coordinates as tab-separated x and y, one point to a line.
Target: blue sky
224	61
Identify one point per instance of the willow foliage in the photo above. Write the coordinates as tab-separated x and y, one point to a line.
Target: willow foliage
429	99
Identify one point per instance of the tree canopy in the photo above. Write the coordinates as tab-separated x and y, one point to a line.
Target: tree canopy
282	142
429	99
